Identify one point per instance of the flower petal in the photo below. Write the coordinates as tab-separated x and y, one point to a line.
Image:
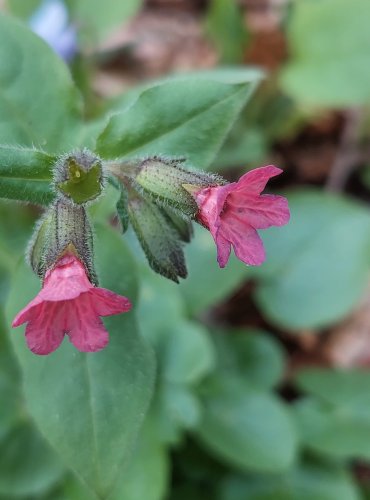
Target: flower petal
66	281
245	240
107	303
223	250
211	203
28	312
260	211
255	180
84	327
45	330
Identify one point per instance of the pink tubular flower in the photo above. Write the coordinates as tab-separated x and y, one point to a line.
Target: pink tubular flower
233	212
69	304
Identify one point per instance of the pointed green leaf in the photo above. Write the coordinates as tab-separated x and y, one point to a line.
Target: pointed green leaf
90	406
187	117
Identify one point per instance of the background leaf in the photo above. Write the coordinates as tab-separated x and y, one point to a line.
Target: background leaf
97	19
206	283
329	41
28	465
315	273
246	427
305	482
252	354
39	102
335	420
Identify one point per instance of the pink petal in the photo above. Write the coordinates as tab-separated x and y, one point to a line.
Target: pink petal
255	180
83	325
107	303
28	312
245	240
211	203
45	330
260	211
223	250
66	281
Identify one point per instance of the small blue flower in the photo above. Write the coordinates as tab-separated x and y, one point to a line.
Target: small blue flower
50	22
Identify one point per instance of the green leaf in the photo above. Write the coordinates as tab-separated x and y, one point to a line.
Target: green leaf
160	308
175	409
40	106
150	461
308	481
249	429
335	421
206	283
330	58
187	117
188	353
253	355
96	19
317	266
226	27
25	174
337	387
334	431
185	355
90	406
157	237
28	465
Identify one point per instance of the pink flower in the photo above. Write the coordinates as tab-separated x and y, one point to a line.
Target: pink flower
233	212
69	304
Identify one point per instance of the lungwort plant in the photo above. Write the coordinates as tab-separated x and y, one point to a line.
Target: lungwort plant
150	155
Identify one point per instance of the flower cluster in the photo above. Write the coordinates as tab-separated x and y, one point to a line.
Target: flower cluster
160	197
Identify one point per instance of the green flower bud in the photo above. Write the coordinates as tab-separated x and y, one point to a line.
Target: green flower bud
164	179
63	228
78	176
158	236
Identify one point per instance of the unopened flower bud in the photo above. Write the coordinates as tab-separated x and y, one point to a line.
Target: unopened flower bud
158	236
65	228
164	180
78	176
